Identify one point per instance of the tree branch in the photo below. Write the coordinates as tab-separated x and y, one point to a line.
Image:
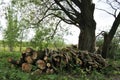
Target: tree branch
56	27
63	8
76	12
115	25
117	2
77	3
107	12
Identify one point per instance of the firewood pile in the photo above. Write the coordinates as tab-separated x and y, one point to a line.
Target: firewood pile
51	61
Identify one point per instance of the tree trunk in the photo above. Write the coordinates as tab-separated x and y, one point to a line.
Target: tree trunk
87	40
21	45
106	45
4	45
108	37
87	27
11	48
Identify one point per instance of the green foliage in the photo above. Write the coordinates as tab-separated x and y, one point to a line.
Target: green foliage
115	46
114	50
41	37
11	33
99	42
45	38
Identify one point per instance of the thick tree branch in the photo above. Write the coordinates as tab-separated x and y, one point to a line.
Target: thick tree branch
66	12
77	3
115	25
66	20
76	12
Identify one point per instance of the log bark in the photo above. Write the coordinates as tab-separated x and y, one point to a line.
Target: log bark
38	54
65	59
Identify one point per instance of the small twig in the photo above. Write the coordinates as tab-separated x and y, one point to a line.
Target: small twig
100	33
107	12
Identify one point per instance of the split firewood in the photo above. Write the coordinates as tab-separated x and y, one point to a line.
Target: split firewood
35	55
67	57
29	51
28	59
56	57
26	67
95	66
41	64
48	65
21	60
23	54
49	71
50	61
45	58
79	61
38	55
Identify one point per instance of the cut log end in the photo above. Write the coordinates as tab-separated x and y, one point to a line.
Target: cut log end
41	64
26	67
28	59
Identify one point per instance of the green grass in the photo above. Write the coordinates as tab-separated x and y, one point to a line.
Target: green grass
8	72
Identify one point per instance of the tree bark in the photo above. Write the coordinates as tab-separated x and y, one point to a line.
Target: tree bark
87	27
106	45
82	18
87	40
108	37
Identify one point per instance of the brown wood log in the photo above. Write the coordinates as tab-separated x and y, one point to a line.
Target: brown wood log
21	61
41	64
48	65
35	55
26	67
45	58
50	60
23	54
29	59
38	55
29	51
14	62
56	57
79	61
49	71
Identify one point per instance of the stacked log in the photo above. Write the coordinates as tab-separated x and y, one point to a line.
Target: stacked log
50	61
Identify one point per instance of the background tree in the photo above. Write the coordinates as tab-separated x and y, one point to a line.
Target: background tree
41	38
11	33
30	15
76	12
108	37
